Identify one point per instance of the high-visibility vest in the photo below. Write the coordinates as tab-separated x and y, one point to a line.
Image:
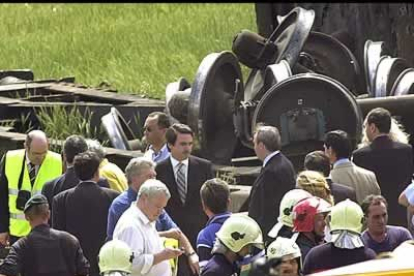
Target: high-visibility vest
50	168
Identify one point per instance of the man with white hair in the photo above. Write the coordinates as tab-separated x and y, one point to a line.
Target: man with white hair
23	173
139	170
108	170
136	227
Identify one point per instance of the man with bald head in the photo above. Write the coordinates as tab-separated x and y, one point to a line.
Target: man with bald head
23	173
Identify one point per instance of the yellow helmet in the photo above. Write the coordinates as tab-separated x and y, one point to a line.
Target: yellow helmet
116	256
346	215
240	230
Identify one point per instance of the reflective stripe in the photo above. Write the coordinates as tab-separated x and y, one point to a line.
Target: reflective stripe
18	216
13	191
16	192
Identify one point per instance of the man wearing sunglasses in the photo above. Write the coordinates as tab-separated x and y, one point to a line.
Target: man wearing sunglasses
155	127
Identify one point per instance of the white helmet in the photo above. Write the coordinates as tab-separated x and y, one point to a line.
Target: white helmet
283	248
289	200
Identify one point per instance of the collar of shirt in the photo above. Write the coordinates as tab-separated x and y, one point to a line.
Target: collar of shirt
160	155
41	227
140	215
28	163
341	161
175	162
269	157
382	135
132	194
218	216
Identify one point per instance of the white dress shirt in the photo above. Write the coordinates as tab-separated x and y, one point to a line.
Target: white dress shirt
28	165
175	162
269	156
140	234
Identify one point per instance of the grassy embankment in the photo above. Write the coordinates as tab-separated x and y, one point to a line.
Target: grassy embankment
136	48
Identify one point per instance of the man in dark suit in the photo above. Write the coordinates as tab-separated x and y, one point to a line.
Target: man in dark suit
275	179
83	210
184	175
319	161
73	145
391	161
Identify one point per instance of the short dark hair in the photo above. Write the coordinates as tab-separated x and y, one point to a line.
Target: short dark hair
171	133
38	211
74	145
317	161
269	136
215	195
163	120
372	200
86	164
381	117
338	140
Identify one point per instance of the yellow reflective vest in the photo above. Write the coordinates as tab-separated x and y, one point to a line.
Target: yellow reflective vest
49	169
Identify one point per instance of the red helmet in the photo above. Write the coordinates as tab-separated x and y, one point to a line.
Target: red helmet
304	213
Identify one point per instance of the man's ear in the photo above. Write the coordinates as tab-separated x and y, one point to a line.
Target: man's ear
373	128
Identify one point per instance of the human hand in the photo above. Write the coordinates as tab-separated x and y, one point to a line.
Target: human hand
193	262
4	239
171	253
173	233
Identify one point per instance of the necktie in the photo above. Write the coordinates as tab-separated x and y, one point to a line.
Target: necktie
32	173
181	185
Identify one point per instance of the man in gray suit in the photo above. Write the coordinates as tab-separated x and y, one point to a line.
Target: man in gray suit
344	171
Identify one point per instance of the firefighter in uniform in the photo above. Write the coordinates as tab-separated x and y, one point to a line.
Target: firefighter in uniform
289	253
23	173
235	240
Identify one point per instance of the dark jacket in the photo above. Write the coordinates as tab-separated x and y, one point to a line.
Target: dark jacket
65	182
341	192
46	252
83	212
327	256
218	265
392	163
190	217
305	244
275	179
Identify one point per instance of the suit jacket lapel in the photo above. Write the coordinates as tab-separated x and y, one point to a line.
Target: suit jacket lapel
170	171
192	177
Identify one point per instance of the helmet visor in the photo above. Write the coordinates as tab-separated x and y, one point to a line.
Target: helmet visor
116	273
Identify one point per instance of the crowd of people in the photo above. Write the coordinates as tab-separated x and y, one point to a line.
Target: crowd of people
166	214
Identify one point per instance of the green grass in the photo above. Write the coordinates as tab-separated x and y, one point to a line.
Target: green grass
136	48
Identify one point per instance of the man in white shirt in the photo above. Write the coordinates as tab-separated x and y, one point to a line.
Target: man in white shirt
136	227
